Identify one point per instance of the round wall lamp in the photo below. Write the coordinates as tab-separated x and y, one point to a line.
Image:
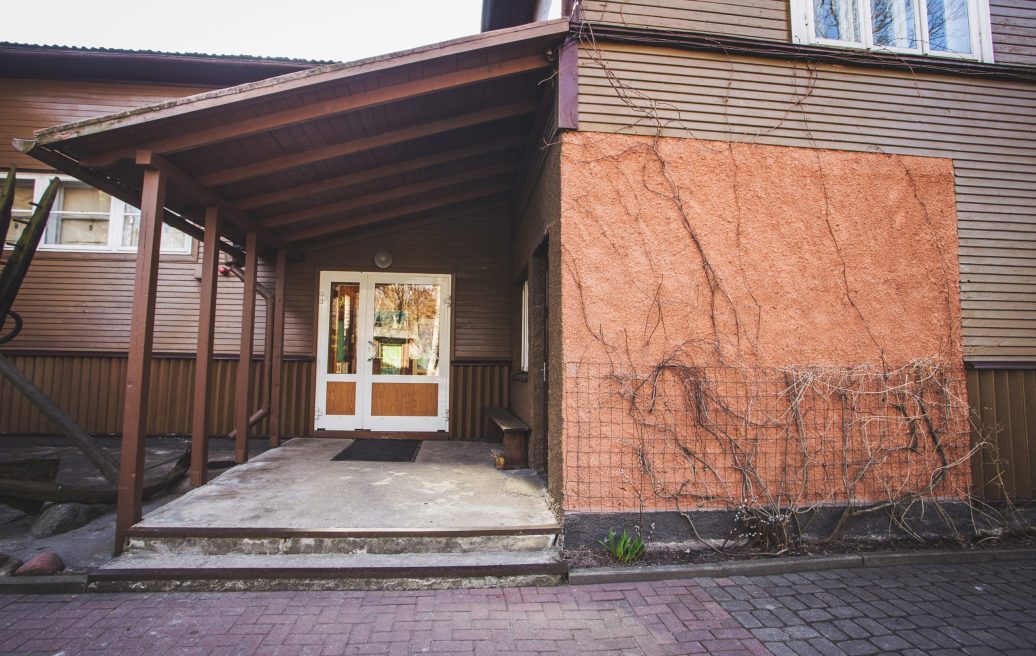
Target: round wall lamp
383	259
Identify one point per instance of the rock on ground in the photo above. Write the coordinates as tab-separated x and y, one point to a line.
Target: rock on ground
8	564
43	564
63	517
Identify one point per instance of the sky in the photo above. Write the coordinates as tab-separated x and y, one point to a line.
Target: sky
307	29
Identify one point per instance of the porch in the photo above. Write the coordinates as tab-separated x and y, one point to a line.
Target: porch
296	517
326	192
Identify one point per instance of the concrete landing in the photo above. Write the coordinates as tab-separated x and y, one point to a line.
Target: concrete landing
452	485
293	518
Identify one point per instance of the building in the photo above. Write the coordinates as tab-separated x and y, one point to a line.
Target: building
748	254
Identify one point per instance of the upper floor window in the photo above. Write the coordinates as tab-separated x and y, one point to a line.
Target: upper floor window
944	28
85	219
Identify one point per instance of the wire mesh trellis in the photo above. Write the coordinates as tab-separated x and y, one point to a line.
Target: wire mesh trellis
679	437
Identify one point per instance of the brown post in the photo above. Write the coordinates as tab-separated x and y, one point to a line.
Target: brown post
278	347
138	368
206	333
243	392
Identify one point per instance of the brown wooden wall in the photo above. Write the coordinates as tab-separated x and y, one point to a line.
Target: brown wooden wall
1003	403
475	249
762	19
1013	22
985	126
90	388
28	105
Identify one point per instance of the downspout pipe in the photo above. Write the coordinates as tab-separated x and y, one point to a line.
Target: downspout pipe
264	401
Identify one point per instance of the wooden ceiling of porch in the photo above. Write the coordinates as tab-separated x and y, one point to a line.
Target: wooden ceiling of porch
317	154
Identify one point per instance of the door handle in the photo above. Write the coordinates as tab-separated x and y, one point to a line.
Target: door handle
374	348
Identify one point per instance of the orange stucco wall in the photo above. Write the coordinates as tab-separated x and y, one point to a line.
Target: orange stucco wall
811	258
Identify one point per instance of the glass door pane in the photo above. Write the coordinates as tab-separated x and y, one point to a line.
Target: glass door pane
339	384
406	348
406	329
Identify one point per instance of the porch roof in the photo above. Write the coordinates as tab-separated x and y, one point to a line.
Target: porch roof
310	155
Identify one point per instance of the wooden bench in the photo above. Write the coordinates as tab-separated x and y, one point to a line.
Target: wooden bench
515	436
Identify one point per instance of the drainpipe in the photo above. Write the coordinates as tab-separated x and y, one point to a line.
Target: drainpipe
265	392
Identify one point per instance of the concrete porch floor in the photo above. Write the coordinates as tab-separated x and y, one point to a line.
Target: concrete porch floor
451	485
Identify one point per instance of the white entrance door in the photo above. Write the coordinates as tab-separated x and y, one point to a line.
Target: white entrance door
383	351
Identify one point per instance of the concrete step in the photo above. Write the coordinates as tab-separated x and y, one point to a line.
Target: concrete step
258	541
166	572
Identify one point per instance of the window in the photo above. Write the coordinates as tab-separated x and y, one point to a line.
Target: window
525	326
943	28
85	219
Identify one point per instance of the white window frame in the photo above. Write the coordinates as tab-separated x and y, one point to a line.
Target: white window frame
525	327
116	214
802	30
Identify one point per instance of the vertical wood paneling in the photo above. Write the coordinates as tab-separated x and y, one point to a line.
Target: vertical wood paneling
472	388
90	388
1003	405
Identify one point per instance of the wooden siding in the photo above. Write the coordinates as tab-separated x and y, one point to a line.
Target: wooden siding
1013	22
473	386
985	126
761	19
81	302
1003	403
475	249
28	105
90	388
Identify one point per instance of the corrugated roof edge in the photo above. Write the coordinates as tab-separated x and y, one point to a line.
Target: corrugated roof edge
160	53
289	81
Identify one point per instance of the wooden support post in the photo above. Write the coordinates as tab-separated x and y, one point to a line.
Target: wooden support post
138	368
206	333
243	392
279	294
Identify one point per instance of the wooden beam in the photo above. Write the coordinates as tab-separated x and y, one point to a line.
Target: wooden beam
395	193
243	391
279	302
568	85
357	222
353	102
354	146
205	196
138	367
206	333
302	191
97	180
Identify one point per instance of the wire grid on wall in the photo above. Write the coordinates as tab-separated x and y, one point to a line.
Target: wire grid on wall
682	437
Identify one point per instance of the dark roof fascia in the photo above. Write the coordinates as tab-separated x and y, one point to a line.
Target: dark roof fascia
731	45
54	62
498	14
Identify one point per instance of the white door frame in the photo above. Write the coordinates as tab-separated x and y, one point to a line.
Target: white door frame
364	377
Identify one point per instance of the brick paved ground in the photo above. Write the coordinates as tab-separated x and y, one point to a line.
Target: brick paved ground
936	609
971	609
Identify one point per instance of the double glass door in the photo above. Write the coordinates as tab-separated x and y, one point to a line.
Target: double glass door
383	345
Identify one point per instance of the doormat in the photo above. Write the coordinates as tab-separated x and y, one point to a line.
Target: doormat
381	450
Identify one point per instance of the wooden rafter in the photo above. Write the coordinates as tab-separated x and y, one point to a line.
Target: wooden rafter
189	186
395	213
363	100
314	155
381	172
395	193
